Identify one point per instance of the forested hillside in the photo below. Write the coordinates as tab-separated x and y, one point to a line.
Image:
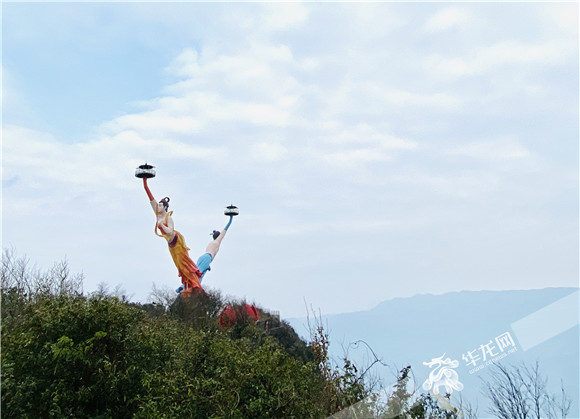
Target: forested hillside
66	354
98	355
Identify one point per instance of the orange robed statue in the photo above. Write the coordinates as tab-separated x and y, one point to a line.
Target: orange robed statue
189	272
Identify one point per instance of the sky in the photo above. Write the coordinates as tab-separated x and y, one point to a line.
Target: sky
375	150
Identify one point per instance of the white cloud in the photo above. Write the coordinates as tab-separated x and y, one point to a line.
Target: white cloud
356	157
268	152
257	64
186	64
471	185
504	54
364	133
253	86
517	52
446	19
39	161
279	16
347	151
505	148
401	97
371	22
155	124
563	16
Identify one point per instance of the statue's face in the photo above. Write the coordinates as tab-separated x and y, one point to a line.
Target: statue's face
163	204
161	208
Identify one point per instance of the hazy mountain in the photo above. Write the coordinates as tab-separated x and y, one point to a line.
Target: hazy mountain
473	328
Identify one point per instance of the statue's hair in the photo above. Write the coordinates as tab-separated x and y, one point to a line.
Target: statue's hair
215	234
165	202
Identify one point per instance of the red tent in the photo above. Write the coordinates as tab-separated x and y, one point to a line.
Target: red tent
230	314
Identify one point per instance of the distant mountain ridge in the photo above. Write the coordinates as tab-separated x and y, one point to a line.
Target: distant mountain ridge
471	327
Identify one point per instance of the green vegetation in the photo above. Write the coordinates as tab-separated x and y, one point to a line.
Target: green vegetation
65	354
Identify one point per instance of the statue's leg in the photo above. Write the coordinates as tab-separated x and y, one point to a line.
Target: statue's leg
203	263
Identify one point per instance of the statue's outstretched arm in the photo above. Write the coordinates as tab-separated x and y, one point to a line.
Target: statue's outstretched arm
149	194
219	239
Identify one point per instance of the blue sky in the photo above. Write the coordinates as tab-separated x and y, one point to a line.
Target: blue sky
375	150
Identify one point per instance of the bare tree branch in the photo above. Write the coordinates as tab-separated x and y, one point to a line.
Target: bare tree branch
521	392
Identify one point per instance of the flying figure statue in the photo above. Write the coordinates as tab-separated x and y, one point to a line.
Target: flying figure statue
190	273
